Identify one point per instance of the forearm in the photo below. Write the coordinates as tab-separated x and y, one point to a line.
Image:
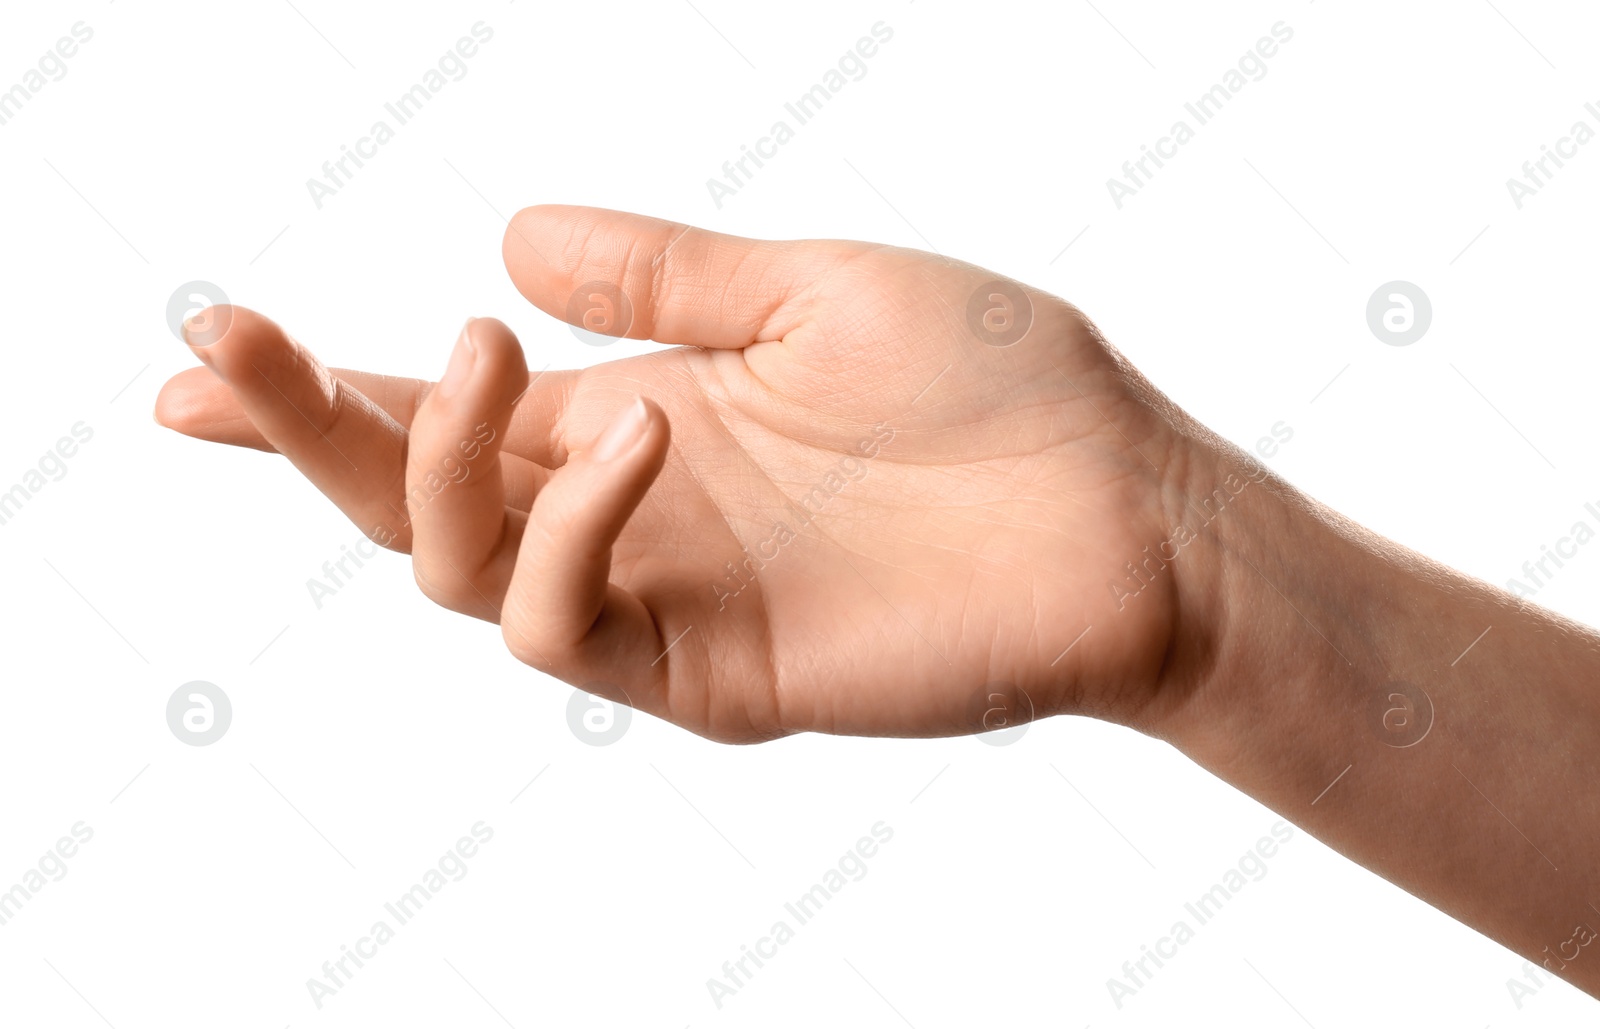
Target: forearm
1310	688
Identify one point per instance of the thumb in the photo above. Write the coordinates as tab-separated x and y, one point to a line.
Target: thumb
637	277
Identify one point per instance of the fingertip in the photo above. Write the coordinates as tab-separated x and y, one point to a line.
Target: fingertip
492	335
515	239
172	407
657	436
530	227
639	426
660	424
209	325
632	276
523	249
181	403
522	231
546	247
196	403
230	339
499	354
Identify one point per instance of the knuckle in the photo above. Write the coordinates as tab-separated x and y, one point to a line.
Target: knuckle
731	735
446	595
518	638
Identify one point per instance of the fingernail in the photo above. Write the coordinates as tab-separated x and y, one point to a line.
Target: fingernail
205	327
625	430
459	371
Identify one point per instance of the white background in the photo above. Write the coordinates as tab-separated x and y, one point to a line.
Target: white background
369	735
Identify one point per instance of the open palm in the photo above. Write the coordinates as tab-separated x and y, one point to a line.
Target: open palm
870	490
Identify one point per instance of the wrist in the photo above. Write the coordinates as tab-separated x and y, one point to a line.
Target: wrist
1383	703
1274	593
1287	612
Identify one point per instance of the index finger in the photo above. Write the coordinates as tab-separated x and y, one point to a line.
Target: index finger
198	402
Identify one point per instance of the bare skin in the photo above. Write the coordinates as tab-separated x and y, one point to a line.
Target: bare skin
851	500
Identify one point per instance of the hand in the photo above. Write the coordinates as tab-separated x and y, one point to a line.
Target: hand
876	513
941	534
